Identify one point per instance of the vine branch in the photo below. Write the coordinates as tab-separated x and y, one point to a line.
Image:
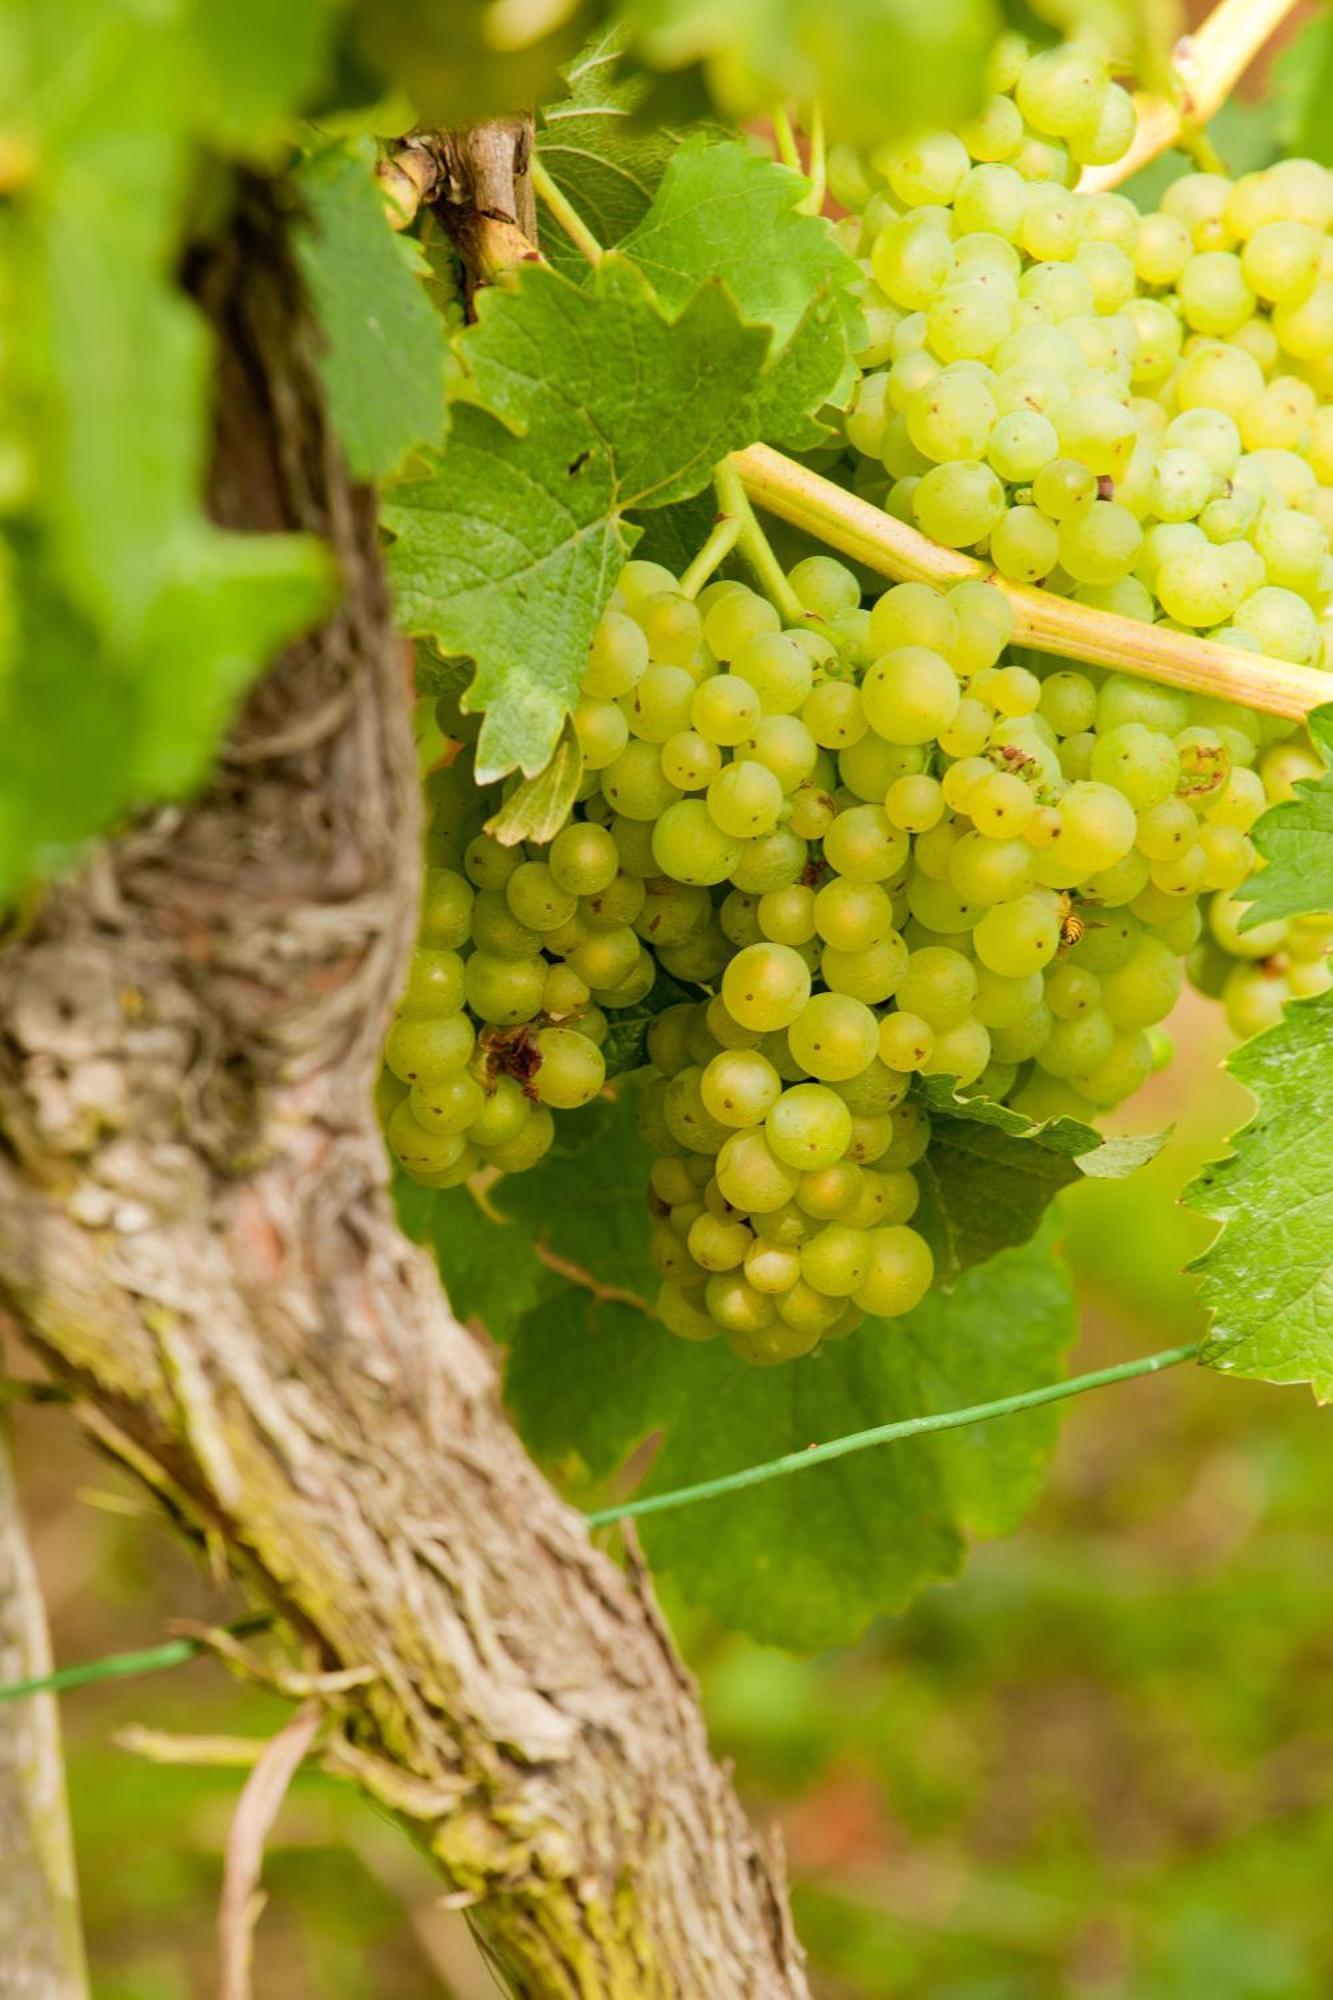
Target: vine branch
1042	620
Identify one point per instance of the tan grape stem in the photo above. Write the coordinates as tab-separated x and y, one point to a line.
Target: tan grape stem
1042	620
1205	68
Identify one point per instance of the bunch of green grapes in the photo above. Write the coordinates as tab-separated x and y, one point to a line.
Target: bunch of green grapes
877	849
1130	409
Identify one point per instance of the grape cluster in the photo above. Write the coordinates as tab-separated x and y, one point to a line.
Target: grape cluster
876	848
1128	408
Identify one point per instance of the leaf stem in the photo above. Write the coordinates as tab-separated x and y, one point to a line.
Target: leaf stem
813	203
1206	65
752	544
843	1447
1042	620
564	212
722	540
788	150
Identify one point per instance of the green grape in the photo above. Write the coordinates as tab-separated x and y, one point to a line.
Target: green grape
830	1193
668	1039
910	694
1121	1072
503	1113
751	1176
766	986
743	801
778	669
447	1105
833	715
446	909
496	929
1138	761
725	709
1021	442
1003	1002
869	767
939	985
434	983
1000	804
914	804
570	1070
869	976
670	623
1225	918
681	1316
583	858
1162	249
536	899
911	260
853	916
939	907
984	870
863	845
985	626
1213	293
1283	624
1020	1041
602	732
958	505
807	1312
951	416
772	1268
659	704
426	1049
1063	487
617	657
605	958
835	1261
505	991
1016	938
1099	541
716	1244
1071	990
634	844
824	586
786	915
690	761
1145	990
913	614
926	171
1075	1046
1024	545
809	1127
739	1087
421	1152
670	912
1097	826
833	1037
961	1051
691	847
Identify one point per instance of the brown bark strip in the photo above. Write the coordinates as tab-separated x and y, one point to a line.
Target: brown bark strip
41	1949
257	1808
195	1231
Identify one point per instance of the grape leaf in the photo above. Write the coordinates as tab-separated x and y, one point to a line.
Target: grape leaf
595	402
879	67
808	1561
489	1268
990	1174
723	211
385	354
1296	841
603	157
1268	1278
1301	89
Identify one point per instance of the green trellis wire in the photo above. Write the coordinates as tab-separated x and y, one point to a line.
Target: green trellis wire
177	1651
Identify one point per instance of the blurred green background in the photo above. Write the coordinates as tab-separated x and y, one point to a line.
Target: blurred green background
1099	1767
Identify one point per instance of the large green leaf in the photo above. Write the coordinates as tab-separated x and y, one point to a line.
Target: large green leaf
808	1561
1296	841
1268	1279
595	401
724	211
385	350
603	157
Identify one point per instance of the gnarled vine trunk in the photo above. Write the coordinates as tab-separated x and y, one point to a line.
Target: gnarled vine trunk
195	1231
